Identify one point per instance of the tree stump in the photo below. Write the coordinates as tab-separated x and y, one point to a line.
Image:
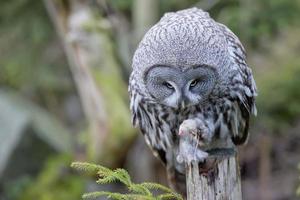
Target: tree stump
221	183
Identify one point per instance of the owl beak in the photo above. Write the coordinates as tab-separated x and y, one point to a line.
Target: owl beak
183	102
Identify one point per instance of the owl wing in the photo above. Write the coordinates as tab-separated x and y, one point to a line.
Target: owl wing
243	90
143	118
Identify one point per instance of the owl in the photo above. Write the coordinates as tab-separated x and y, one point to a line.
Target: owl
190	77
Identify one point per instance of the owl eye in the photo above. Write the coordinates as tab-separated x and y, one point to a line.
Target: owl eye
168	85
194	83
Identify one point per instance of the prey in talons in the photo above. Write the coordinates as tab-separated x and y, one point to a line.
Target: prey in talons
195	136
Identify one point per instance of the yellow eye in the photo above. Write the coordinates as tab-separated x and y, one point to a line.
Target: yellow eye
194	83
168	85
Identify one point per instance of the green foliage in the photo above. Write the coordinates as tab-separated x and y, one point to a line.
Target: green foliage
278	85
136	191
13	189
251	20
173	5
122	5
255	20
279	97
55	182
31	59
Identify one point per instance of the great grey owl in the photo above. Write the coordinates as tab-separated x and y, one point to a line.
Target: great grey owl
190	76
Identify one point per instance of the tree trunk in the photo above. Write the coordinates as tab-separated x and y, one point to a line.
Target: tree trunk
222	183
85	36
145	14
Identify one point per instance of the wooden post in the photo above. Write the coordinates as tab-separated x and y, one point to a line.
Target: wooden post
221	183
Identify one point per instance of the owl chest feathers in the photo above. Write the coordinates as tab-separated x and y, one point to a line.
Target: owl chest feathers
160	124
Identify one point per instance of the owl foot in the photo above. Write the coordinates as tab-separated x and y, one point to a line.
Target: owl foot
189	153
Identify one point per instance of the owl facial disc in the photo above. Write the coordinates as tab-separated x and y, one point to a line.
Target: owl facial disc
179	88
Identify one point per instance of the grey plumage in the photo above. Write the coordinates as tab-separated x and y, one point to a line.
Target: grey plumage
188	66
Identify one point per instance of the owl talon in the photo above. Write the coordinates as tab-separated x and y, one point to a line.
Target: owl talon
188	156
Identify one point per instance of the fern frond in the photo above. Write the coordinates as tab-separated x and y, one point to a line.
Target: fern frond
139	189
108	176
117	196
107	180
103	171
83	166
140	197
168	196
123	176
155	186
111	195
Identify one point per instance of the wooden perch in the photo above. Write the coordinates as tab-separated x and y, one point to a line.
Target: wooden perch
222	182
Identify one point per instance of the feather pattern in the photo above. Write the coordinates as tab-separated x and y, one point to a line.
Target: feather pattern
187	39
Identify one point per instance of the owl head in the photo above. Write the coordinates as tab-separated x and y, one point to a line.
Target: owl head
182	59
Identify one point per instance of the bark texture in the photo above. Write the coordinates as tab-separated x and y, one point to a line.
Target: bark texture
222	183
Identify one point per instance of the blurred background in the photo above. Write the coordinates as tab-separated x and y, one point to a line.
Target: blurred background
64	67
